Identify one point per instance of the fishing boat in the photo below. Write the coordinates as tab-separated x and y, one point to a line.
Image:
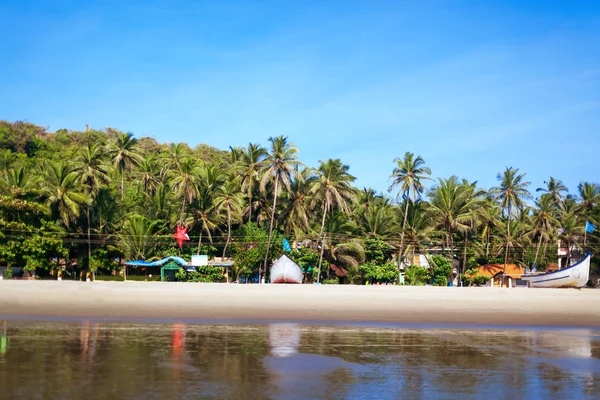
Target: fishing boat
285	270
575	276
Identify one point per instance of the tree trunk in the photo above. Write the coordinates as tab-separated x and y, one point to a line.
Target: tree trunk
464	265
122	185
199	241
182	211
543	258
250	210
507	239
537	251
89	236
325	207
271	228
228	231
400	250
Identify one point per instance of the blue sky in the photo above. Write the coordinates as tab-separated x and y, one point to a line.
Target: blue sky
471	86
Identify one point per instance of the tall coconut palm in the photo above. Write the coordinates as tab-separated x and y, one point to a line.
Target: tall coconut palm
62	191
147	175
185	183
451	206
230	202
174	156
543	220
589	194
488	216
251	164
408	175
332	187
210	186
206	215
280	167
378	219
92	173
296	214
124	154
511	194
555	188
365	199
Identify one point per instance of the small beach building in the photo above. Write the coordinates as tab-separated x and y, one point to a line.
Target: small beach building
500	278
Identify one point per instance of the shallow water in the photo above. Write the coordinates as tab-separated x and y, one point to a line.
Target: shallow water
99	360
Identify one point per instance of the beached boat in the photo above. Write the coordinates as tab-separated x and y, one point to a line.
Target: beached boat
285	270
576	276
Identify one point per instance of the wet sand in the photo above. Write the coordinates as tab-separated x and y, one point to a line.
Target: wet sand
327	303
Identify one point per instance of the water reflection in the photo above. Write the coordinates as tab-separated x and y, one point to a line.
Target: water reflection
143	361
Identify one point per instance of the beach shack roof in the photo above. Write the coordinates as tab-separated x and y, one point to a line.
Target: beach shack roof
493	270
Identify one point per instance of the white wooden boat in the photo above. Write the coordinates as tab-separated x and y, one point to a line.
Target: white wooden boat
576	276
285	270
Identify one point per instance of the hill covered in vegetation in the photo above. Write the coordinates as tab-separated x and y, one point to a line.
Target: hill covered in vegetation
99	195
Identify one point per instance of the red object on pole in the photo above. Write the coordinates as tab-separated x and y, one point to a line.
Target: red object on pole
181	235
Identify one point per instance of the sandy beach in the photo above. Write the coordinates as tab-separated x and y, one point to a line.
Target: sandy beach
335	303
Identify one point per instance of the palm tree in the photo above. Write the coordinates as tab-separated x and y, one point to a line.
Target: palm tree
280	167
147	175
136	238
340	248
92	173
251	164
488	217
511	194
451	205
555	188
63	194
296	214
210	185
333	186
365	199
174	156
124	155
206	215
590	196
407	175
17	182
185	183
378	219
543	220
7	159
230	201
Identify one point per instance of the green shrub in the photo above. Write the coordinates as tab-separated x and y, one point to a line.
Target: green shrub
416	276
332	281
480	280
8	273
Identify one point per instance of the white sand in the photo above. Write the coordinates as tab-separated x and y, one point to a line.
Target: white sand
336	303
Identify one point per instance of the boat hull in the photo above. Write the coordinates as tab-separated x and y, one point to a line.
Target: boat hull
576	276
285	280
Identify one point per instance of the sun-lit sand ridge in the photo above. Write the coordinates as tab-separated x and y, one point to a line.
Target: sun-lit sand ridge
336	303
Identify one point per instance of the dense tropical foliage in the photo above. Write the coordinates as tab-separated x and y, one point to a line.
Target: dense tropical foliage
89	199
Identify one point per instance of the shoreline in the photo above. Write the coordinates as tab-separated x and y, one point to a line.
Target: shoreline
336	304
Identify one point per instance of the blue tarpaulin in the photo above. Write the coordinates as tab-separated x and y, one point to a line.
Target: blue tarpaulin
140	263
